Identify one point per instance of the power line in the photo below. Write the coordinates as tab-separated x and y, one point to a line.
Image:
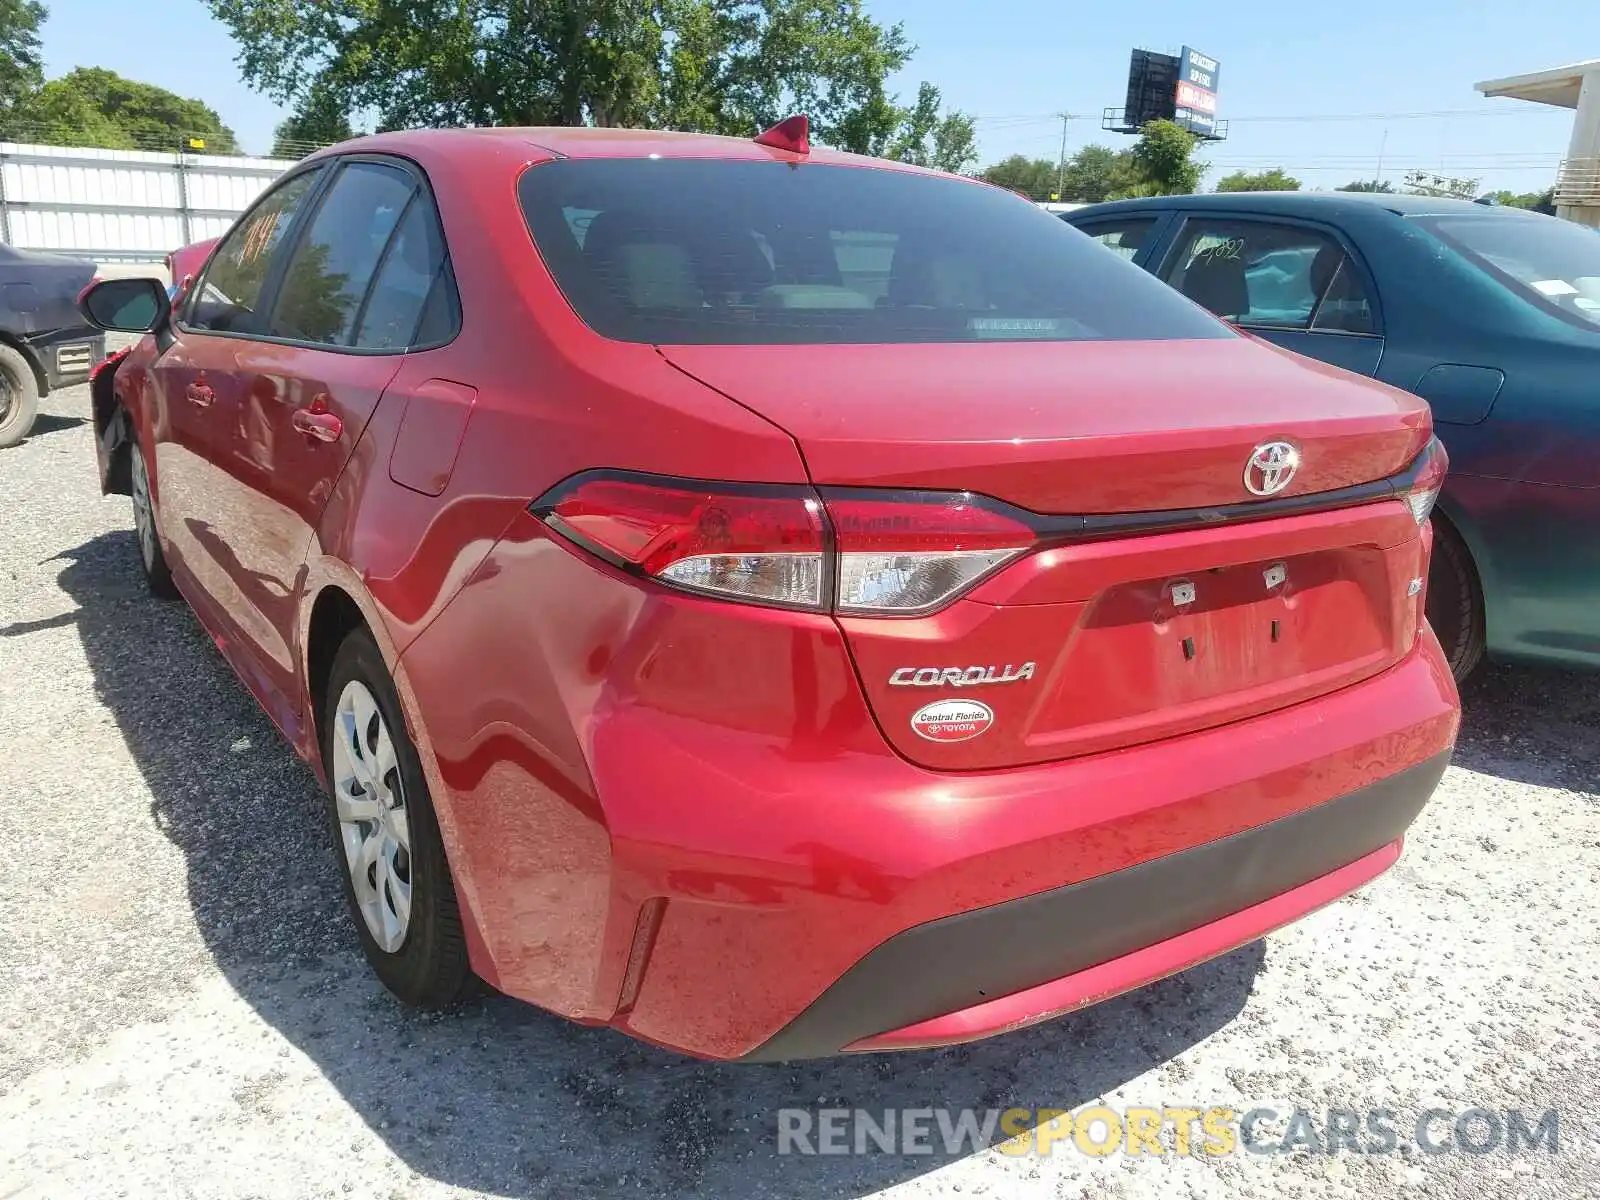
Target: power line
1434	114
1390	168
1023	119
1529	157
1454	113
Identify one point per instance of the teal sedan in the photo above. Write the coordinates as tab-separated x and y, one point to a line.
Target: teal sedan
1490	314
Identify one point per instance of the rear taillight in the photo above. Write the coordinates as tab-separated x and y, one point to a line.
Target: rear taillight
865	552
1427	478
906	553
750	542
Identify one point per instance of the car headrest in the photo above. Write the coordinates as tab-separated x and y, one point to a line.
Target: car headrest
641	261
1323	267
609	231
1218	284
923	274
414	248
732	263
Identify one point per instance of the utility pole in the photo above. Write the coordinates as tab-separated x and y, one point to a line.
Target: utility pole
1383	144
1061	165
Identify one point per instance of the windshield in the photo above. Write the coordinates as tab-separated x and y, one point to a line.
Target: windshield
1554	262
705	251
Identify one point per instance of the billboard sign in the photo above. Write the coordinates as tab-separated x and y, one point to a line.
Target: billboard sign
1195	99
1190	96
1152	78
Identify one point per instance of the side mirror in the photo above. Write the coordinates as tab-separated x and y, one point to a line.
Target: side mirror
126	305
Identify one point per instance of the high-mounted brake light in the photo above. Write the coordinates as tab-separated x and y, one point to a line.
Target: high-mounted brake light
1423	492
859	551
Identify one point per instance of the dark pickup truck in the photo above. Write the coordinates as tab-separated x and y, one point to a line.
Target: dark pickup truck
44	342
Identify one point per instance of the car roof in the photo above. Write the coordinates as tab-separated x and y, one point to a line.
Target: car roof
562	141
1326	205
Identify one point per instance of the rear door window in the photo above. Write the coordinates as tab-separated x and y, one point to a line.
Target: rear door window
334	263
1125	237
413	298
700	251
1271	274
1553	263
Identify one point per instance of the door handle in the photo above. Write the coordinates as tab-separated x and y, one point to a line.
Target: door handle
200	395
321	426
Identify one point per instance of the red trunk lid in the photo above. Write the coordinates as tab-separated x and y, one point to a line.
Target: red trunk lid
1068	427
1132	638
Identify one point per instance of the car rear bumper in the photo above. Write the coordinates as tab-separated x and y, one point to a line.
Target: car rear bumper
69	355
1095	939
689	827
913	920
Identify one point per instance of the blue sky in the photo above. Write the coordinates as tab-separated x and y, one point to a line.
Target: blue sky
1013	62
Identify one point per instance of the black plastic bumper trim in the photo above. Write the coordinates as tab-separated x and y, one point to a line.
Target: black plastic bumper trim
959	961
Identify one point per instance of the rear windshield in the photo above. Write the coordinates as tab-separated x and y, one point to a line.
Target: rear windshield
697	251
1553	262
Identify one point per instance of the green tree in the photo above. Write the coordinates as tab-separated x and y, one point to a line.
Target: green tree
21	67
319	120
1097	173
1093	174
1535	201
1426	183
1263	181
1163	162
716	66
927	138
63	117
1368	185
955	143
1034	178
95	107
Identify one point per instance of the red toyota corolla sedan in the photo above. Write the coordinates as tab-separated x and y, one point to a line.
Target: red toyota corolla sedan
775	602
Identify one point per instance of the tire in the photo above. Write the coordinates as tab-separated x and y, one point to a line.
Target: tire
1455	602
19	396
146	530
386	835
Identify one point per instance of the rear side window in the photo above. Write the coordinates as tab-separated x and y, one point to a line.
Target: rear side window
228	299
698	251
1270	274
1554	263
1125	237
413	298
335	261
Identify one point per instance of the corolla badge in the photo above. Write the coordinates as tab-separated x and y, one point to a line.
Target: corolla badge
960	676
1270	468
952	720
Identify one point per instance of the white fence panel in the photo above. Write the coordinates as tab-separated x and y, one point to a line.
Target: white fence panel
122	204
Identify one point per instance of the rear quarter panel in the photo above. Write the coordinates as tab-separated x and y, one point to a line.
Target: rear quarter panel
1524	484
1524	493
39	295
552	399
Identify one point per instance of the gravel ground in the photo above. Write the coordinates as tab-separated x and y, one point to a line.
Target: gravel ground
184	1011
